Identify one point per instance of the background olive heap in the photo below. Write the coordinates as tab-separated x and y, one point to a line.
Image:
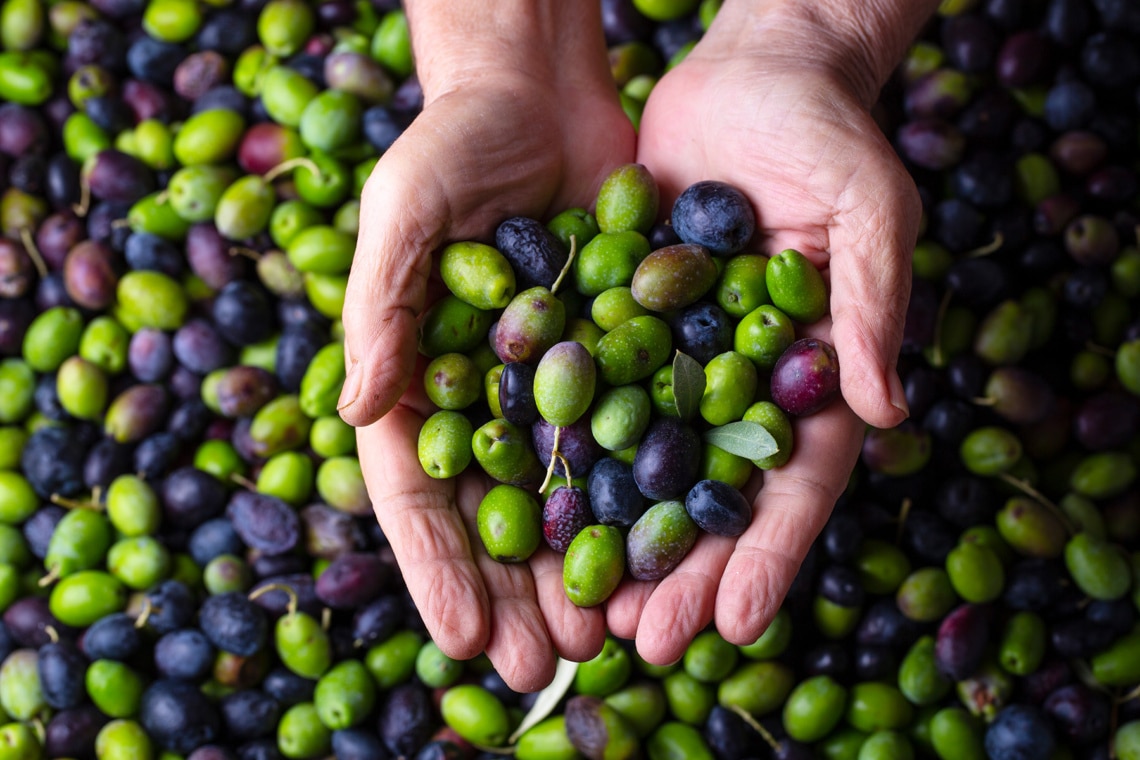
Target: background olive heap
188	562
597	394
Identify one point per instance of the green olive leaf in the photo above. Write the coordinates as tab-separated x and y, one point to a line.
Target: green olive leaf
688	385
548	698
745	439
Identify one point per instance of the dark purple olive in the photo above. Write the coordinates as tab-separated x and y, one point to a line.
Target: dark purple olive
90	274
264	522
941	93
1106	421
15	316
1112	184
1069	21
961	641
28	621
1111	60
989	118
931	143
57	235
1079	713
209	257
1078	151
22	130
576	443
71	733
516	394
806	377
666	463
16	269
118	177
1024	59
970	42
353	580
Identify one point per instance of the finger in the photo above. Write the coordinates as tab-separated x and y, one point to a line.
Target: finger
791	509
577	632
417	513
872	240
519	645
683	602
404	215
623	608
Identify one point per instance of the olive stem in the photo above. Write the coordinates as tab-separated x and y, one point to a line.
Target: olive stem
33	252
1041	499
249	253
63	501
1128	697
565	468
243	481
566	268
992	247
144	615
290	165
80	209
162	198
943	307
756	726
984	401
505	751
554	455
904	513
1085	675
291	605
51	577
52	633
1093	348
326	618
38	728
119	224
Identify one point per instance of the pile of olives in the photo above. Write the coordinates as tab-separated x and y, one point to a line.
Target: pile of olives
580	381
189	564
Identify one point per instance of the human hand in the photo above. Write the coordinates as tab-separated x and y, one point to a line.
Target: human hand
525	124
779	107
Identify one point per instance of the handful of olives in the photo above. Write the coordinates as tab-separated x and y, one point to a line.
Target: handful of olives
652	367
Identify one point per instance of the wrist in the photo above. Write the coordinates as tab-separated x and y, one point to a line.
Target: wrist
857	41
552	42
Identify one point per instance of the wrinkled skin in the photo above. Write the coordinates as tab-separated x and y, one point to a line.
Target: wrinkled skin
797	138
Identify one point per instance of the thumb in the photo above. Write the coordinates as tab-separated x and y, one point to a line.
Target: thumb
402	220
872	241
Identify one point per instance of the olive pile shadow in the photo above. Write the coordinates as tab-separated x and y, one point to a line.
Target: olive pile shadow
189	567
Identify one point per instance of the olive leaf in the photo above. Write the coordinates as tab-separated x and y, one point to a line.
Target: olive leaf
745	439
548	698
688	385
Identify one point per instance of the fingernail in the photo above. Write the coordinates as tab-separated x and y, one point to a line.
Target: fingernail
897	394
351	388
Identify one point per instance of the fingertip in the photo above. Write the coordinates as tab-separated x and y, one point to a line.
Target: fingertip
525	674
877	399
868	378
623	609
456	609
379	376
460	644
746	602
577	633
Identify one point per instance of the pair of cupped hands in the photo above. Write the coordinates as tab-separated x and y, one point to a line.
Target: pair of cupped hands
529	123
